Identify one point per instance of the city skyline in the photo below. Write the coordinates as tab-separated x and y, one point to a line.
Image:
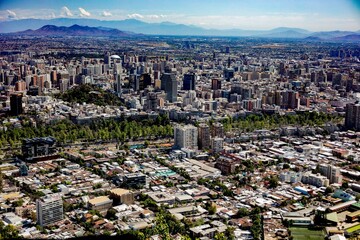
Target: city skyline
257	15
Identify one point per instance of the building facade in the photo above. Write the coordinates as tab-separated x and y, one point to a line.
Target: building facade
186	137
49	210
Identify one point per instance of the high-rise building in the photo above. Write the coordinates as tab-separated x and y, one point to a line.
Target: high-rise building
352	118
217	130
217	144
49	210
16	104
186	137
331	172
144	81
204	136
229	73
151	102
216	84
20	86
189	81
107	58
169	85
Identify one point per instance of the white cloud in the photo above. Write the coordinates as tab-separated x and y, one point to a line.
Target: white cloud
106	14
135	15
154	16
65	12
52	15
11	14
84	13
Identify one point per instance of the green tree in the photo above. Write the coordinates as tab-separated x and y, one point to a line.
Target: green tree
329	190
273	182
111	214
242	212
8	231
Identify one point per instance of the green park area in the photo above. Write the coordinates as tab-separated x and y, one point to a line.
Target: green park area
301	233
353	229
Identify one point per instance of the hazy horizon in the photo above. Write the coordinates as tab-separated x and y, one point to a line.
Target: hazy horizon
321	15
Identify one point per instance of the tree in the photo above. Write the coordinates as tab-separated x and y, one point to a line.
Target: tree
273	182
111	214
357	197
220	236
329	190
242	212
211	207
286	166
8	232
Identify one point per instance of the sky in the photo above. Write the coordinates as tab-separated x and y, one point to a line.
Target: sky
313	15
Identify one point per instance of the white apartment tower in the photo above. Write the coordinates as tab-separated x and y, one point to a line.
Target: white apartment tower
186	137
49	209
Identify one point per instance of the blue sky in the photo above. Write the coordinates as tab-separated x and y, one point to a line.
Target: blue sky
313	15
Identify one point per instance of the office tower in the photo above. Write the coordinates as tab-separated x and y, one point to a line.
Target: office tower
189	81
352	118
107	58
204	136
169	85
135	81
217	130
186	137
20	86
16	104
228	73
216	84
151	102
49	209
144	81
282	69
227	50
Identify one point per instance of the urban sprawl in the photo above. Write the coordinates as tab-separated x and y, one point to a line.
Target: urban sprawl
179	138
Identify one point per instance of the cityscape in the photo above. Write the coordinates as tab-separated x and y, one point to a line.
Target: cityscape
150	120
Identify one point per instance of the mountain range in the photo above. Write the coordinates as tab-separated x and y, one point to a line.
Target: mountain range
75	30
168	28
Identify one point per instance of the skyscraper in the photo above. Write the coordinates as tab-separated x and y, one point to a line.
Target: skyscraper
169	85
16	104
189	81
145	81
49	209
352	118
204	136
186	137
216	84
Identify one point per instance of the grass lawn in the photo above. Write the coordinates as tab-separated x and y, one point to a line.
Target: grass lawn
353	229
302	233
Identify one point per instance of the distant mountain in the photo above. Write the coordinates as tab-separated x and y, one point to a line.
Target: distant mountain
75	30
331	34
285	29
129	26
283	34
312	39
349	38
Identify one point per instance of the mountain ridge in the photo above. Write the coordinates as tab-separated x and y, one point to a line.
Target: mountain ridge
74	30
169	28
